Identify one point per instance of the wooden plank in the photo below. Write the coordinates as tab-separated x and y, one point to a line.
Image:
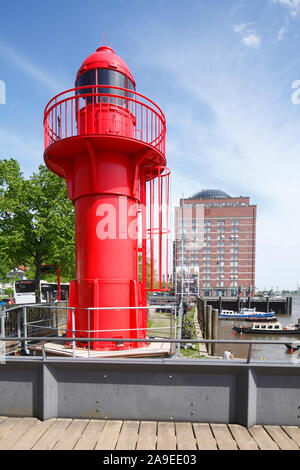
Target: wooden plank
71	435
109	435
7	425
293	432
128	436
204	437
242	437
60	349
281	438
147	436
166	437
16	432
29	439
52	435
223	437
185	436
90	435
262	438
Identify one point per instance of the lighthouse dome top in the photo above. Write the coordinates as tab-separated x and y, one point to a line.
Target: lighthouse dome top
105	58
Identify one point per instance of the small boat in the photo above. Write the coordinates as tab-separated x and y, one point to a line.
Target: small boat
245	313
271	328
292	347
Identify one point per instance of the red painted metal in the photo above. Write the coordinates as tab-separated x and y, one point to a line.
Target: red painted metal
108	142
58	284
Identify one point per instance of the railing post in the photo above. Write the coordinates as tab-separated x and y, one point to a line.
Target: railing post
2	343
214	330
73	332
249	353
2	323
25	328
89	346
175	320
56	320
179	327
19	333
44	351
209	328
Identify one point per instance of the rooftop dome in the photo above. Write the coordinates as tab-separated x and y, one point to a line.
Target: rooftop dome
210	194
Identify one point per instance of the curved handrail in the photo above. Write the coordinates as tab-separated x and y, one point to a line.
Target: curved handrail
61	115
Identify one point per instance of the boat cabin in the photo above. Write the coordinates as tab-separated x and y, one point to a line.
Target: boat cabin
268	326
228	312
248	310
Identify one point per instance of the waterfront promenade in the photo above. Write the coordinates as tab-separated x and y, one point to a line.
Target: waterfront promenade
83	434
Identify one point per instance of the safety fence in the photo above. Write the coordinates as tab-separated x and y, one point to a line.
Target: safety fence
24	325
104	110
27	325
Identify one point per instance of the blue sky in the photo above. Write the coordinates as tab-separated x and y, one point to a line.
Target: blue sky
221	70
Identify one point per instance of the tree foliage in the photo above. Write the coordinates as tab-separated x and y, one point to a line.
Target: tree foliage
36	221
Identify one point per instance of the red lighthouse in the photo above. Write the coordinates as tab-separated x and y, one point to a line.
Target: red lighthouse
108	142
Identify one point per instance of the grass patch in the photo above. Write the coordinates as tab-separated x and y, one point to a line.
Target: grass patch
191	353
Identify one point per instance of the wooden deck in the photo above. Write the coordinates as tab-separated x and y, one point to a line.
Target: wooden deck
85	434
61	349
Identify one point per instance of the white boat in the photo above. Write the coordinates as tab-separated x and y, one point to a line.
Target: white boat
270	328
245	313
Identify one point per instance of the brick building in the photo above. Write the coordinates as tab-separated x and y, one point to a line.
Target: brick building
219	244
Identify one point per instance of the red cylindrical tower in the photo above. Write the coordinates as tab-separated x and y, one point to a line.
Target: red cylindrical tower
108	142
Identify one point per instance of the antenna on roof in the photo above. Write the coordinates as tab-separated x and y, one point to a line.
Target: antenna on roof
104	40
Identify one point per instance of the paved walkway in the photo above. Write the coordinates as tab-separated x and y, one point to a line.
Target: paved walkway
85	434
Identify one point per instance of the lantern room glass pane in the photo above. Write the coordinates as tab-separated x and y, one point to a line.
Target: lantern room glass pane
87	78
109	77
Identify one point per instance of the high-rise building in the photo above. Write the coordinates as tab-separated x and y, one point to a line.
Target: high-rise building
218	245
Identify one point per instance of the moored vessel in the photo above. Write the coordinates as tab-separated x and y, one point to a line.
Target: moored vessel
270	328
246	314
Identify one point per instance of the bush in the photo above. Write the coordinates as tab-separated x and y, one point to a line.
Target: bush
188	329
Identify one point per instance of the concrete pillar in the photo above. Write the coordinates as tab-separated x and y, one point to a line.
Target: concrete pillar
220	304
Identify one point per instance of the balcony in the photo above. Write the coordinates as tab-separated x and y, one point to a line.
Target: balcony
104	110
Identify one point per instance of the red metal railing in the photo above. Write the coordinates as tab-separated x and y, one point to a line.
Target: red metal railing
104	110
156	229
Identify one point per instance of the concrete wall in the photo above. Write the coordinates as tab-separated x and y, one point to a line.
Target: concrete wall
152	389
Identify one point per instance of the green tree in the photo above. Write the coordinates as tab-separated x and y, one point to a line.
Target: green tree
36	221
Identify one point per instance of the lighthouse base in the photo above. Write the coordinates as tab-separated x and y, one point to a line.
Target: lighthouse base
109	309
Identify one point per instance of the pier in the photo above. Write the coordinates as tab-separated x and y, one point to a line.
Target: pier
170	403
278	306
88	434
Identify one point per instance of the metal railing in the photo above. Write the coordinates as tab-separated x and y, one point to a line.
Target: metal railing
27	325
175	341
104	110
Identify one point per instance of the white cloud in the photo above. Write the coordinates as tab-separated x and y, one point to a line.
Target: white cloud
281	33
292	5
251	40
239	28
249	144
249	36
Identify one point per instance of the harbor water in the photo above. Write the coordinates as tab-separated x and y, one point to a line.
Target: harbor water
269	352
